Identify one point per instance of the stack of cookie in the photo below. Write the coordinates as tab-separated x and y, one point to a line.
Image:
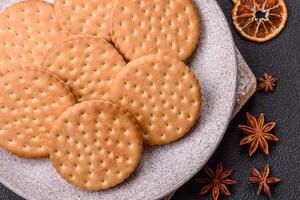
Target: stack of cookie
87	82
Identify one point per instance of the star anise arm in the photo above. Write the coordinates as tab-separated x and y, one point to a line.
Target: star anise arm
267	190
269	88
255	173
226	174
262	86
224	189
271	137
260	120
268	127
216	192
229	182
254	179
247	139
247	129
266	171
273	180
253	147
264	146
261	79
266	75
209	171
206	189
219	169
260	186
251	120
273	84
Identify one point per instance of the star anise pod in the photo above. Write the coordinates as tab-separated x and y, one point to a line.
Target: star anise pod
258	133
267	83
216	181
263	180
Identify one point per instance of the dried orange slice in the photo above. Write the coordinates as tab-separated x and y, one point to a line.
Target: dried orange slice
259	20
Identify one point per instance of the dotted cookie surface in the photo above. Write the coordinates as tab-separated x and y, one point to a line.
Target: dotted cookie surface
6	65
30	101
27	30
162	93
86	64
88	17
168	27
96	145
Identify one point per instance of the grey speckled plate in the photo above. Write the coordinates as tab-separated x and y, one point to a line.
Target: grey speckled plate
163	169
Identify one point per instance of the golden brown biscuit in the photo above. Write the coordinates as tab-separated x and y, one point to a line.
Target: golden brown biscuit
28	29
86	64
88	17
96	145
143	27
162	93
30	101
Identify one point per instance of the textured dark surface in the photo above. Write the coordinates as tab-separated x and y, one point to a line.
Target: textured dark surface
281	57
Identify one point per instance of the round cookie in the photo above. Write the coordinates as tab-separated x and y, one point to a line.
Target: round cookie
28	29
143	27
86	64
30	101
85	16
96	145
162	93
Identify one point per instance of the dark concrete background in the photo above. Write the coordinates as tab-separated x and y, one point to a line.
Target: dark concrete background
281	57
